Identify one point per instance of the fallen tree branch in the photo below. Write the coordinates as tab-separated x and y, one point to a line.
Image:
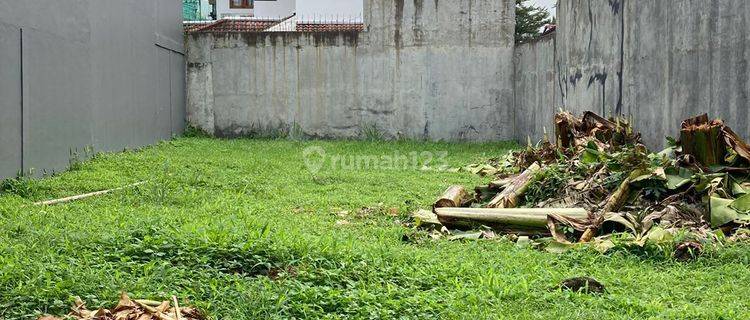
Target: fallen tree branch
176	309
453	197
617	198
516	188
86	195
521	217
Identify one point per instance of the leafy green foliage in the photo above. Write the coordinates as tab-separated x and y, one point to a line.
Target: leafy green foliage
193	132
551	181
22	186
529	20
370	132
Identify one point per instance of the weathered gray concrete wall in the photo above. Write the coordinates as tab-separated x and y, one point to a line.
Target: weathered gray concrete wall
85	73
442	69
535	83
10	100
588	55
266	81
423	69
684	58
659	61
56	99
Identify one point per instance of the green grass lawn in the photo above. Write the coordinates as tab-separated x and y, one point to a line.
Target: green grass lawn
242	230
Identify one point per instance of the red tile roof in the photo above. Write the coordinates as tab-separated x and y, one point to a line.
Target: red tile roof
190	26
244	25
329	27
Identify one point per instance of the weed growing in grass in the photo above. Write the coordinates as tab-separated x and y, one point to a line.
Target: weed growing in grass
76	158
296	132
193	132
23	186
370	132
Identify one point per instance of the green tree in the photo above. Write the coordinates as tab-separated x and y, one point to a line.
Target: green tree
529	20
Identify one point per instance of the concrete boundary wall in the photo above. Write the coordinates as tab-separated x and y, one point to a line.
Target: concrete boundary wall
10	103
535	82
87	74
659	61
449	70
422	69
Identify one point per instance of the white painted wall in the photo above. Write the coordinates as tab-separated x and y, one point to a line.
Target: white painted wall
550	5
305	9
329	9
205	9
275	9
263	8
223	10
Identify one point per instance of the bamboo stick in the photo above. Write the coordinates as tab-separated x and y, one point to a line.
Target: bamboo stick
522	217
86	195
617	199
176	309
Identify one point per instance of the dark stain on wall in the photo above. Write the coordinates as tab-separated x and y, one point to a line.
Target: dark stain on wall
418	9
615	4
196	65
254	39
417	26
601	78
591	27
251	39
574	78
560	81
373	111
618	108
325	39
399	19
286	39
598	77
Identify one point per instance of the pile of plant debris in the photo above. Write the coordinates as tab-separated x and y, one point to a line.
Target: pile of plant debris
128	309
597	179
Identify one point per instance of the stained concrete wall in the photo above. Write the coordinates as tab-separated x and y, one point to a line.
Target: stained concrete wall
535	83
589	46
423	69
659	61
85	73
686	58
447	70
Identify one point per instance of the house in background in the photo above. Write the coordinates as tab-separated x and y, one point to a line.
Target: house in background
330	10
191	10
254	8
276	16
305	10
